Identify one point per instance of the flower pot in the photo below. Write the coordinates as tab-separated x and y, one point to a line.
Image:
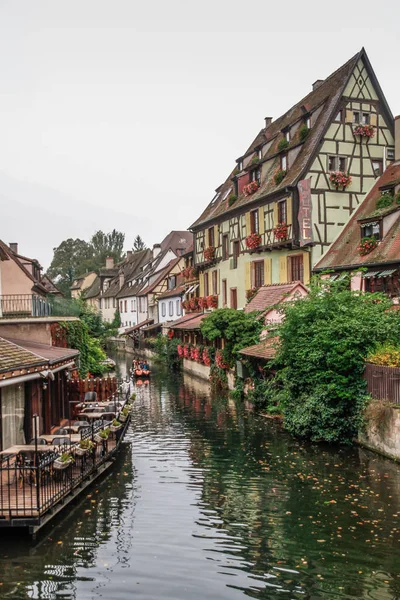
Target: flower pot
122	418
97	438
115	428
81	451
60	465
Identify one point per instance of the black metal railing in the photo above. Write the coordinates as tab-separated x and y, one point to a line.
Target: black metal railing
24	305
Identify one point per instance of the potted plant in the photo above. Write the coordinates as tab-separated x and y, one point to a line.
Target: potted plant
193	272
255	160
203	302
124	414
303	132
212	301
194	303
232	199
209	253
367	131
206	357
219	361
340	179
279	176
366	245
283	144
102	435
115	425
250	188
253	241
281	231
180	350
186	351
62	462
84	447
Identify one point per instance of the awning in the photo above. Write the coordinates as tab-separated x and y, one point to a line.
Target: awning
138	326
387	273
370	274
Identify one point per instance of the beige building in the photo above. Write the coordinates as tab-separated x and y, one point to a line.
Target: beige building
81	284
295	187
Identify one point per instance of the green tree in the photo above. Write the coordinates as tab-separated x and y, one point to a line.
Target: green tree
107	244
138	244
71	259
324	340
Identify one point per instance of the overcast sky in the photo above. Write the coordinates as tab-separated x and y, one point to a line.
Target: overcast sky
126	114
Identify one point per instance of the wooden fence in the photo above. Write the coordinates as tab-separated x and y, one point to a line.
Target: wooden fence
105	388
383	382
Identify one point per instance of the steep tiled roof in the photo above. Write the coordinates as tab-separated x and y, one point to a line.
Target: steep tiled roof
51	354
13	356
266	349
270	295
182	320
343	252
323	99
17	258
176	291
50	286
177	240
94	290
161	275
190	324
130	267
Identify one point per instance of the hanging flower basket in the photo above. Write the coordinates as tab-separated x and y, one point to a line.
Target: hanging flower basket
206	357
366	246
219	361
279	176
281	231
250	188
209	253
251	293
340	179
253	241
212	301
203	302
367	131
180	351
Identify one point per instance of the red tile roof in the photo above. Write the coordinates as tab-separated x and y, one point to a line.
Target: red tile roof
266	349
190	324
182	320
177	291
270	295
138	326
344	253
52	354
13	356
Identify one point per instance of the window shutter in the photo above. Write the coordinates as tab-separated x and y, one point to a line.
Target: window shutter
267	271
216	236
349	116
218	283
306	267
248	224
373	119
275	214
248	276
261	227
283	269
289	209
201	284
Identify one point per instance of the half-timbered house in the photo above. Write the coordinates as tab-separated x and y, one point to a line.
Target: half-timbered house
296	186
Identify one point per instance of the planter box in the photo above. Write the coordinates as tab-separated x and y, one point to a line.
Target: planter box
122	418
97	438
60	465
81	451
115	428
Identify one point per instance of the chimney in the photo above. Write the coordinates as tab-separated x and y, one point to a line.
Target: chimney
129	254
396	138
109	262
156	250
317	83
14	247
121	278
268	121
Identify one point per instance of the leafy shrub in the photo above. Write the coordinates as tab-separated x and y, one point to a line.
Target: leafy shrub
232	199
279	176
387	355
255	160
303	132
384	201
283	144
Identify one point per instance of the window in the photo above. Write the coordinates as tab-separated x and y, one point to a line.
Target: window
255	175
390	154
356	117
284	162
282	216
371	229
308	122
337	163
225	246
377	167
215	282
126	305
163	309
339	116
114	303
131	305
100	303
366	118
121	306
234	298
296	268
171	308
259	154
236	252
287	135
172	282
224	292
240	165
258	273
206	285
178	308
211	236
254	225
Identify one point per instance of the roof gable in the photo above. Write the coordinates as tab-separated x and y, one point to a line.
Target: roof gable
271	295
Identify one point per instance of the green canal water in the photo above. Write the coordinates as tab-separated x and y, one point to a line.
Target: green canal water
209	500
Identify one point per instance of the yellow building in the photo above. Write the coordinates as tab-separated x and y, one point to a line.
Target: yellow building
295	187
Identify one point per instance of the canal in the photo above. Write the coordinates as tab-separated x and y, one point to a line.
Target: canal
208	500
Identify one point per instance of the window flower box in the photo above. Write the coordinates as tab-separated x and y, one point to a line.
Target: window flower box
206	357
101	436
250	188
212	301
186	351
193	353
367	131
197	354
281	231
180	351
203	302
209	253
253	241
64	461
340	179
366	245
194	303
115	426
185	304
279	176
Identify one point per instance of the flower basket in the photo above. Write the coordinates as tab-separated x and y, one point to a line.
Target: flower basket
122	418
340	179
81	451
209	253
212	301
367	131
185	304
281	231
250	188
194	303
279	176
206	357
253	241
114	428
64	461
186	351
197	354
97	438
366	246
219	361
203	302
193	272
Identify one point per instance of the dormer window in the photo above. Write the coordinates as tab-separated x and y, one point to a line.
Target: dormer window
240	165
255	175
284	162
287	135
259	154
308	122
371	229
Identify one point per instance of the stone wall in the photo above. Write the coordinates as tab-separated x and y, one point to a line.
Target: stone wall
384	437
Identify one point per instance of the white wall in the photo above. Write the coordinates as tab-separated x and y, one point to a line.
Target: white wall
129	316
169	309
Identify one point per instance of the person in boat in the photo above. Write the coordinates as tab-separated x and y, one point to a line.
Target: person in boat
145	366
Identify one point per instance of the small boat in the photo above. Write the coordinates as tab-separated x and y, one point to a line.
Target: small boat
142	373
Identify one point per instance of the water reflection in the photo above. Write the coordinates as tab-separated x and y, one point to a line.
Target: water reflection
209	500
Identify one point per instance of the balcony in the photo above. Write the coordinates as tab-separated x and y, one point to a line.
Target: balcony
23	305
